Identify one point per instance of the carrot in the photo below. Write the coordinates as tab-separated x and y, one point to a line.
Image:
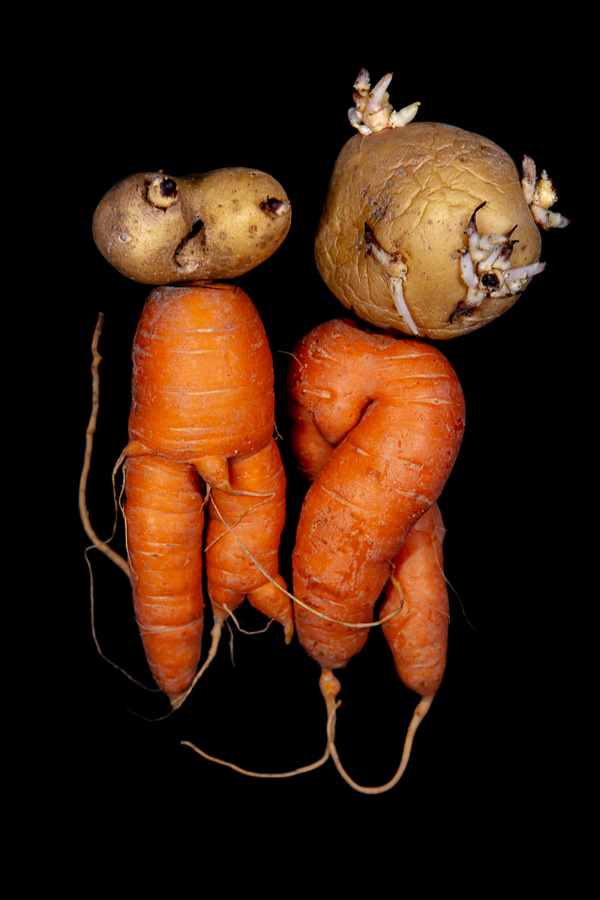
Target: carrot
244	527
418	635
165	519
201	432
378	423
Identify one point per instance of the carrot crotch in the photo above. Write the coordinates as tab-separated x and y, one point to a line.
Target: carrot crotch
243	536
164	513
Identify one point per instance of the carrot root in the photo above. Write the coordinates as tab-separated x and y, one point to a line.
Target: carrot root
330	687
87	459
222	762
289	774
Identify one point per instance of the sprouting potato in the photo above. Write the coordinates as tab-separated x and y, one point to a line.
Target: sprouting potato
428	229
158	229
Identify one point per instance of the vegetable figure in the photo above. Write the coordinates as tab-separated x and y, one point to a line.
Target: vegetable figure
202	421
428	231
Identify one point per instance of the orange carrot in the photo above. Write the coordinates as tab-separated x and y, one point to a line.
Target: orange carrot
165	519
418	635
378	422
201	428
244	527
394	411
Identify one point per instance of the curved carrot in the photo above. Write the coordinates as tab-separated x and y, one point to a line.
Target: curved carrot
393	410
377	424
201	425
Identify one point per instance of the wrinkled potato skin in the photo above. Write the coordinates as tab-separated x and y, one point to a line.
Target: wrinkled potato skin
153	245
416	187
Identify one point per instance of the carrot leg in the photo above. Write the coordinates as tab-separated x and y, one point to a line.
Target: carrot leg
165	520
418	634
243	535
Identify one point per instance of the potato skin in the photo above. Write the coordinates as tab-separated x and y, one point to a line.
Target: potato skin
416	188
219	226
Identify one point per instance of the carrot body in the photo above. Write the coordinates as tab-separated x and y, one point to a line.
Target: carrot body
202	387
393	413
202	414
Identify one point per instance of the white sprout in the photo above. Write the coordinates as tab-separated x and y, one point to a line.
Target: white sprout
395	270
372	110
485	267
540	196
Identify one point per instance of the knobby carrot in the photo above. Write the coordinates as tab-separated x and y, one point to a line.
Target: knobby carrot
201	429
377	423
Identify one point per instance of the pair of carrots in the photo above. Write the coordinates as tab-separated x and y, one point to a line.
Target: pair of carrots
376	425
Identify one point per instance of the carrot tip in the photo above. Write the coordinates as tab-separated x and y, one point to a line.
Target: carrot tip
216	631
329	684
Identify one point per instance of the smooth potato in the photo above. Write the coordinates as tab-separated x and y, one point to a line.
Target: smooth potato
411	192
158	229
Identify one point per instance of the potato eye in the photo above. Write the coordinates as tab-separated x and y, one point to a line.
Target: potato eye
274	207
162	192
490	282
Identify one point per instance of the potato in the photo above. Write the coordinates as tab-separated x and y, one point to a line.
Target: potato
426	228
158	229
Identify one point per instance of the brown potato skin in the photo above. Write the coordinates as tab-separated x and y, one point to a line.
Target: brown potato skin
224	210
416	188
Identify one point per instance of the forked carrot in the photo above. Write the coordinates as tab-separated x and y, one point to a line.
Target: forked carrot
392	413
202	416
201	436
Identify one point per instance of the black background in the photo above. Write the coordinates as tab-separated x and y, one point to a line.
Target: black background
151	98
